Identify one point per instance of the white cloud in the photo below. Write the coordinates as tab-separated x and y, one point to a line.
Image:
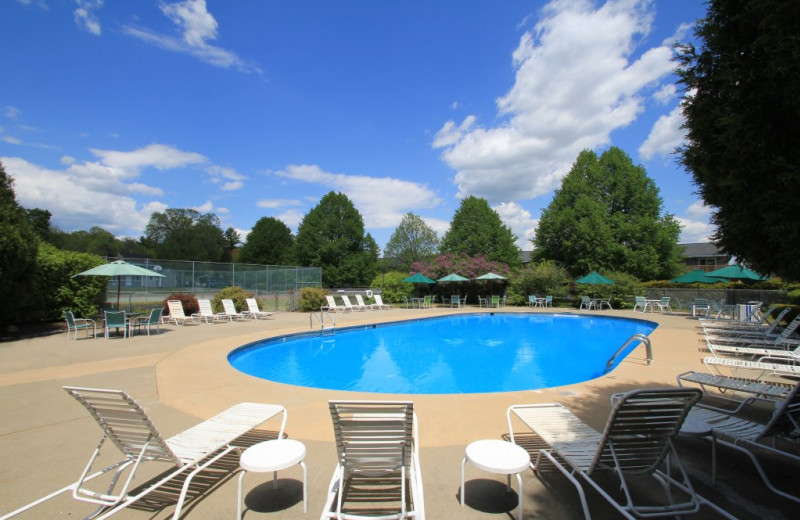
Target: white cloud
522	224
277	203
159	156
576	82
11	112
207	207
197	27
665	94
74	203
85	17
11	140
665	136
291	218
221	174
695	224
67	160
382	201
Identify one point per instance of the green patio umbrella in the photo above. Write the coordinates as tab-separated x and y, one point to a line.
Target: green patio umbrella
419	278
696	276
117	269
490	276
453	277
737	272
595	278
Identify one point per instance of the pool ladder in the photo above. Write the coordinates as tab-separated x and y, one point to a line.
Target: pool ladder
642	338
331	326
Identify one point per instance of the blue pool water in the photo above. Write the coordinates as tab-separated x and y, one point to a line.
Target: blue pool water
471	353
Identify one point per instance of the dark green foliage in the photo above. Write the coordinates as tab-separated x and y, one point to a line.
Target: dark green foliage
231	240
606	215
476	229
392	287
96	241
40	221
331	236
540	279
235	293
185	234
412	241
270	242
54	290
188	302
18	249
311	299
742	109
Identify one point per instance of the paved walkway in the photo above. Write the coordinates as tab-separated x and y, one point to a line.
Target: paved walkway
181	376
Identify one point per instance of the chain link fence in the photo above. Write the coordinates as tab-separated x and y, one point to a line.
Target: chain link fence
681	298
275	286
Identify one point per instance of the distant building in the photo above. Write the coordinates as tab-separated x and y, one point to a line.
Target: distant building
703	255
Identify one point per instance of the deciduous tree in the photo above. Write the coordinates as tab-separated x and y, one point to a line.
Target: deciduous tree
607	216
741	107
185	234
413	240
270	242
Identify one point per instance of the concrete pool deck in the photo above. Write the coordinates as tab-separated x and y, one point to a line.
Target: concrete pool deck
182	376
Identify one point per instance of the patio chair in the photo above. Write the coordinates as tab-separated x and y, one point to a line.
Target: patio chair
638	441
332	305
532	300
701	306
154	318
749	437
126	424
377	474
640	301
665	304
379	303
455	301
75	324
116	320
427	302
254	312
587	303
230	311
548	300
208	315
177	316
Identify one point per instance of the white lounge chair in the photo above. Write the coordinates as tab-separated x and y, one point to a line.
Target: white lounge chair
332	305
126	424
349	306
76	324
783	340
750	437
255	312
230	311
738	324
742	334
208	315
763	369
379	303
360	305
176	314
637	442
755	389
375	441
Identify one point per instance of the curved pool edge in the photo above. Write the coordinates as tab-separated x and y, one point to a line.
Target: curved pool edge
196	379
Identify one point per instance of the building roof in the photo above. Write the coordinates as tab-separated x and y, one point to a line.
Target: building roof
701	249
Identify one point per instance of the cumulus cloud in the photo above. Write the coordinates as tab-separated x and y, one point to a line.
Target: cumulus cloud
381	200
665	94
521	222
695	225
75	204
665	136
85	16
229	178
197	28
577	80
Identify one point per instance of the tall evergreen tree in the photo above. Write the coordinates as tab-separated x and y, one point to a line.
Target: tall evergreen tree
607	216
331	236
477	229
742	108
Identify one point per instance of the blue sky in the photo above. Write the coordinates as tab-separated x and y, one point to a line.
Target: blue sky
111	109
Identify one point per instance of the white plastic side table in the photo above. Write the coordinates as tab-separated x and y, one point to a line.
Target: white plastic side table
496	456
274	456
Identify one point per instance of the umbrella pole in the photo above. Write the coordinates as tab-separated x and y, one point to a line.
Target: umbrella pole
118	288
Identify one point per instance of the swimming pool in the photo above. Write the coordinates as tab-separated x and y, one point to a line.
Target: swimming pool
465	353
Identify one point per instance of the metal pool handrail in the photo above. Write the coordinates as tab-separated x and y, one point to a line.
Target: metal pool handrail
636	337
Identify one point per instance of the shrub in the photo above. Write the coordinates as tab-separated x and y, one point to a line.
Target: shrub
541	279
311	299
235	293
53	288
392	286
188	302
